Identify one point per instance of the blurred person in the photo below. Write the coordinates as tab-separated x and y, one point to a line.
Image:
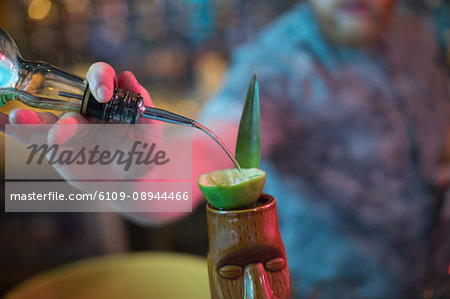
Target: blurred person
356	144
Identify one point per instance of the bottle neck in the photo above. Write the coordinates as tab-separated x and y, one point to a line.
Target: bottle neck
44	86
124	107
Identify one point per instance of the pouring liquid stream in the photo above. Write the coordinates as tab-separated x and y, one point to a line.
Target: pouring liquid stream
170	117
221	144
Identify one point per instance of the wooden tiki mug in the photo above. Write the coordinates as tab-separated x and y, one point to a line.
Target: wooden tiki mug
246	257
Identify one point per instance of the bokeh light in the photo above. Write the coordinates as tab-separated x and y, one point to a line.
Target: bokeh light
39	9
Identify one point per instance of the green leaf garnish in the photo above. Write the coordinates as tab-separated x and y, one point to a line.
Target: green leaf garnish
248	146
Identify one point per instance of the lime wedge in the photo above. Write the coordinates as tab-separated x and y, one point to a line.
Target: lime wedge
227	189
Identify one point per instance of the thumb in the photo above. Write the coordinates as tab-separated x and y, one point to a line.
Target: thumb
102	79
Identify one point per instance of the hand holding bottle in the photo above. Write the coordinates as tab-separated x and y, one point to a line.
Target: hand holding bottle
102	80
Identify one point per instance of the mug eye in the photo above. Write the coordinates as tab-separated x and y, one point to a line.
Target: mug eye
230	271
275	264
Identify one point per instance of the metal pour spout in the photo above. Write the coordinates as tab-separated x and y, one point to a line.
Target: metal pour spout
166	116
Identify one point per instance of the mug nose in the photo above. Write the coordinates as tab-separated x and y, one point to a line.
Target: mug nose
256	283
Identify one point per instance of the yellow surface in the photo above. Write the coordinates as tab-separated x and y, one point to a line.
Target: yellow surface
135	276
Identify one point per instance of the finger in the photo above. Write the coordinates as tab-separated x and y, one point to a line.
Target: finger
102	79
31	118
65	128
128	81
32	125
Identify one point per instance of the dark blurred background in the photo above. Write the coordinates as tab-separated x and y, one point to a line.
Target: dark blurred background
179	51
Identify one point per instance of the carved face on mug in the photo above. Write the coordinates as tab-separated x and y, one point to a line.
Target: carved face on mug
251	273
247	258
